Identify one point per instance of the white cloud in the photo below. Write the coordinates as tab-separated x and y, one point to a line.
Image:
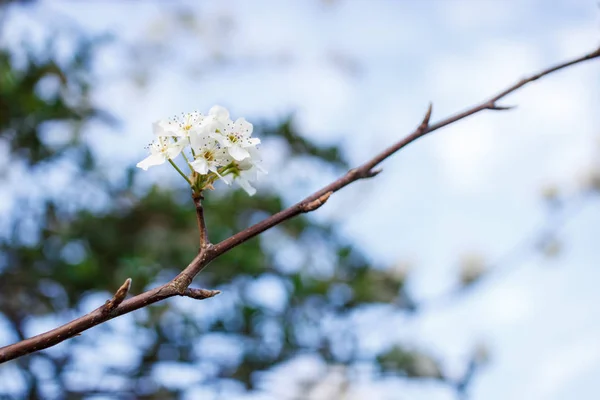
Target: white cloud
562	366
468	15
507	305
465	150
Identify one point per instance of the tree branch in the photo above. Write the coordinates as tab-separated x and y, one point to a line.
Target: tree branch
179	286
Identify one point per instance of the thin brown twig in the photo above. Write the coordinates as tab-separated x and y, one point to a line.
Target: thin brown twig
179	286
203	233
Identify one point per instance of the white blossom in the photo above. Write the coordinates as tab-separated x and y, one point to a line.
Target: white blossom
179	126
220	113
219	148
161	150
209	155
216	120
236	137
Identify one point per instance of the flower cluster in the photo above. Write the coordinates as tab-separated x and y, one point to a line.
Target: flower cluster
213	146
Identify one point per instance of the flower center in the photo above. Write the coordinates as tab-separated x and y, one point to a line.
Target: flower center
233	138
161	146
208	155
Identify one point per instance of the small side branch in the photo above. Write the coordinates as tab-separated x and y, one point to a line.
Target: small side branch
495	107
425	123
204	242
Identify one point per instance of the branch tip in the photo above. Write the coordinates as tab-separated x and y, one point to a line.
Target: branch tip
373	172
425	123
500	108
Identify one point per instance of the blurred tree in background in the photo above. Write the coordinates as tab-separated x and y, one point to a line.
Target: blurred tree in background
62	251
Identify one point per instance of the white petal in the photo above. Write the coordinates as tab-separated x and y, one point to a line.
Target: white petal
246	186
209	125
158	128
238	153
164	128
196	141
219	113
174	149
252	142
151	160
244	127
200	141
245	164
254	153
222	157
200	166
222	139
261	169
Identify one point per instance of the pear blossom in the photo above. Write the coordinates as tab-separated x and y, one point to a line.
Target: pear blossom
236	137
220	113
216	120
161	150
209	155
178	126
218	148
252	162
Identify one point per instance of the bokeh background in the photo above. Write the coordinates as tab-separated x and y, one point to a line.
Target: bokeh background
468	269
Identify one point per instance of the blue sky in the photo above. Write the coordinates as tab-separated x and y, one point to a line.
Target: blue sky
362	73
